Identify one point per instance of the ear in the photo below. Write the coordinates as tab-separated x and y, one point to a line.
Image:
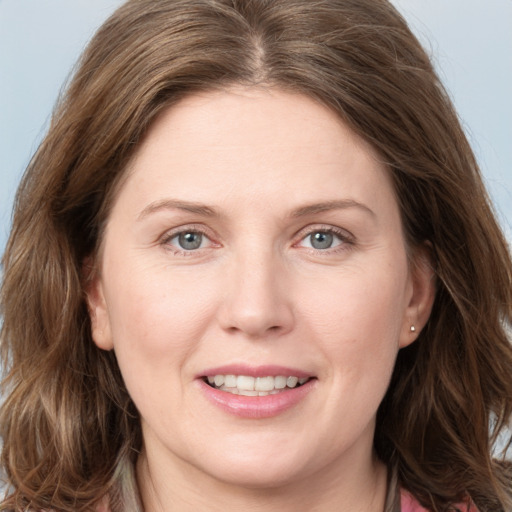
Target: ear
421	295
97	306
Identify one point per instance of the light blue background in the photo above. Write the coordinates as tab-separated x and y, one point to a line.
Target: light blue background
471	42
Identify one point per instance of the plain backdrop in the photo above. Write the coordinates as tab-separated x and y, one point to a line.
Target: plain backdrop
470	41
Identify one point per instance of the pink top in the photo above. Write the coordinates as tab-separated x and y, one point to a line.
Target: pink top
409	504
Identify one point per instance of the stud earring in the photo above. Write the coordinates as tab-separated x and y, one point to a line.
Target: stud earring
413	329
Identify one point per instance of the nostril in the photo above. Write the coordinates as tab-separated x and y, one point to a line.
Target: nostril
255	309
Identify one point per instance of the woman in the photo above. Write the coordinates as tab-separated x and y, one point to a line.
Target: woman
253	265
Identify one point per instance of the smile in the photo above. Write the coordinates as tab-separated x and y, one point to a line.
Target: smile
246	385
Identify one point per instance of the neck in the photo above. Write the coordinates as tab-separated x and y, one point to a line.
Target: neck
184	488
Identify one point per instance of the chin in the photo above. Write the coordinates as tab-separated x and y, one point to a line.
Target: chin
271	475
263	465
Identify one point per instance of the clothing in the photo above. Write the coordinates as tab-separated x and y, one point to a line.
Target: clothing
409	504
399	500
127	498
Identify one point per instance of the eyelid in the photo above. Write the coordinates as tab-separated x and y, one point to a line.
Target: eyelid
187	228
345	236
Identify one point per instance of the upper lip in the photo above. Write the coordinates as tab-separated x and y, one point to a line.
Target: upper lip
255	371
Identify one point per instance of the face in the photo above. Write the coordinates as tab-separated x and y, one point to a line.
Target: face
255	286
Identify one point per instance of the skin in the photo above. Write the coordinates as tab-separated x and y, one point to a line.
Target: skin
257	292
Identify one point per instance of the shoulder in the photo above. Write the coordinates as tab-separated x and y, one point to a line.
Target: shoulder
410	504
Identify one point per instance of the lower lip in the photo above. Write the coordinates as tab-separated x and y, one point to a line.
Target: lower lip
256	407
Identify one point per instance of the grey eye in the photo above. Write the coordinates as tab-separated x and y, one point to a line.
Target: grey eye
321	240
190	240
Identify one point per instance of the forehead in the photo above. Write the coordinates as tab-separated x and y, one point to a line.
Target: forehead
256	144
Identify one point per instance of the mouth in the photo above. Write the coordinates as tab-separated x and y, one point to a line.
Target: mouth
247	385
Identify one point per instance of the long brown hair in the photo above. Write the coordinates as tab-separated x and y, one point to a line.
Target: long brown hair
68	425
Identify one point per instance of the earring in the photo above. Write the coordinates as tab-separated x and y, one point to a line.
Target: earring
413	329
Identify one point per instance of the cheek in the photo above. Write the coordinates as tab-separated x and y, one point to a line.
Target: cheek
356	318
157	319
357	306
156	323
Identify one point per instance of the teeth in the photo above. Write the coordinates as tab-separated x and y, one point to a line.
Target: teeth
280	382
251	386
246	392
264	384
236	391
230	381
244	383
291	382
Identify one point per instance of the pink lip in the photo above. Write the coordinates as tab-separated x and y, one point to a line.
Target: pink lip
255	407
254	371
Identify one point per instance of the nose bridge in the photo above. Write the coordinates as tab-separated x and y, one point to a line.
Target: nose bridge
256	302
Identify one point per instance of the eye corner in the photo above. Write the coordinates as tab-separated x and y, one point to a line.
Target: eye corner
188	240
329	239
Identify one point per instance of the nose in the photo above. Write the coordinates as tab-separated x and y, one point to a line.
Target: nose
257	301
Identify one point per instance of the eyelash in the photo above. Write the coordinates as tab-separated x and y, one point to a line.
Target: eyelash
170	235
346	239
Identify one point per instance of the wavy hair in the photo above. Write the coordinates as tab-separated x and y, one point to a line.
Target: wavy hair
69	427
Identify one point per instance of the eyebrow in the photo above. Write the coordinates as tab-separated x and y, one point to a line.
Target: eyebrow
173	204
341	204
208	211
